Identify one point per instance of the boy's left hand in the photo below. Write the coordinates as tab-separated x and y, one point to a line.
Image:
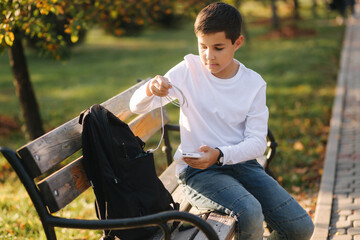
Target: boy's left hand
209	158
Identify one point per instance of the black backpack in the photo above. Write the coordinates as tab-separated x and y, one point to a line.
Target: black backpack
122	174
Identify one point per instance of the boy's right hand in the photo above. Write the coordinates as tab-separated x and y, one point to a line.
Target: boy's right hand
158	86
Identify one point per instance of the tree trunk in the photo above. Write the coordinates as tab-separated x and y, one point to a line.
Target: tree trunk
24	90
296	10
275	18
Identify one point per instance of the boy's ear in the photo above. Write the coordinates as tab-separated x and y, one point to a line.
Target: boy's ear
239	41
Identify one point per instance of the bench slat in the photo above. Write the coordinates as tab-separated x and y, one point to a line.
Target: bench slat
185	234
192	232
145	126
168	178
223	225
63	186
52	148
119	104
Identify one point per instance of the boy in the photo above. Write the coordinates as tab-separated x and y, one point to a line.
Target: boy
225	119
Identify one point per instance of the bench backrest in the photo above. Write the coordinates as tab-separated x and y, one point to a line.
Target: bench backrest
48	151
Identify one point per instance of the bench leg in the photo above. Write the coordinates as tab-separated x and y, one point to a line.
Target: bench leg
49	232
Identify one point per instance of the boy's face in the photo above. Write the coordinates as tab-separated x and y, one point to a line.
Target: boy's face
217	53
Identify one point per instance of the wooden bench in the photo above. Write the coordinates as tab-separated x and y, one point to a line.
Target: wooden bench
58	188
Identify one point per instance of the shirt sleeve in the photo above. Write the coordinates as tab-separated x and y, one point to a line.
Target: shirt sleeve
141	103
254	143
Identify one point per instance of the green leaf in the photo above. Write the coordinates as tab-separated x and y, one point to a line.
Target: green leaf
36	12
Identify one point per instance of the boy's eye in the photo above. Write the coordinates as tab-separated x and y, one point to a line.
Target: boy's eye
218	49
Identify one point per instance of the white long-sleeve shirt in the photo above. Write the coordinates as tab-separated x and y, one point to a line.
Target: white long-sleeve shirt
227	113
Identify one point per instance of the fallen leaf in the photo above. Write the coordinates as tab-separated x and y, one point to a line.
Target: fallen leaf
298	146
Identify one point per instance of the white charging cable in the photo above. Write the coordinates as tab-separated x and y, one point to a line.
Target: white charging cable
177	104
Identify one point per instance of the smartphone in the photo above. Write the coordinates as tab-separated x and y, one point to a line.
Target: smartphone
192	155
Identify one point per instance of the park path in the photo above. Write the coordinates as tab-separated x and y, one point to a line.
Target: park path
337	215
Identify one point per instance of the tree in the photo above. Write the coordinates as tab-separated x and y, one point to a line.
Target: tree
53	26
33	20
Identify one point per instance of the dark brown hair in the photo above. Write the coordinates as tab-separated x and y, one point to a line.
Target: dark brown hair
219	17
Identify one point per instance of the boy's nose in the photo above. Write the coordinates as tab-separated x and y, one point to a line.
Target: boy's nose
210	55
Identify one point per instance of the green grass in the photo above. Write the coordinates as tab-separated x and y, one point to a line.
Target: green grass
300	73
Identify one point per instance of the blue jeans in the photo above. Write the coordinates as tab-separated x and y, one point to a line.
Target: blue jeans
245	192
